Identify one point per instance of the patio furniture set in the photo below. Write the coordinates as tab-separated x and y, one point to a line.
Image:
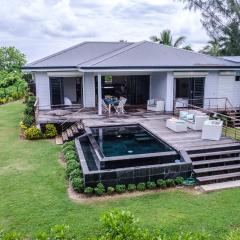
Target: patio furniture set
110	102
197	121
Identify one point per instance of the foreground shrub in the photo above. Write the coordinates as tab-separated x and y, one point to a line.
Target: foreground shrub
67	144
76	173
151	185
68	148
71	166
33	133
120	188
88	191
110	190
50	131
100	189
77	184
29	111
70	155
28	120
131	187
141	187
170	183
179	180
22	126
161	183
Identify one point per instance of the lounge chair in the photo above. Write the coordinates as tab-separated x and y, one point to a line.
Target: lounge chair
104	107
155	105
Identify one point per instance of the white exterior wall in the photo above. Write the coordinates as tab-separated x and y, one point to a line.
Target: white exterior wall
89	98
158	85
162	87
42	90
69	86
228	87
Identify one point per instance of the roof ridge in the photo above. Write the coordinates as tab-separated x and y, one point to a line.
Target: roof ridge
55	54
181	49
117	52
102	55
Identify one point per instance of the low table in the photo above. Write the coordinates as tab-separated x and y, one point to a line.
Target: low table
176	125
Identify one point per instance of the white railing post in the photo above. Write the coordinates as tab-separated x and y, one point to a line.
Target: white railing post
99	78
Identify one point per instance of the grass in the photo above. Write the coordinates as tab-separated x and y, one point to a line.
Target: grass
33	193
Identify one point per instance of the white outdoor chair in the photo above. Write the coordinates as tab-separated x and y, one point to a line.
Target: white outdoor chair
120	107
155	105
104	106
67	101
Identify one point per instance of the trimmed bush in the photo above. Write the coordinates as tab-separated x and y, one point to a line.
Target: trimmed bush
120	188
29	111
70	155
68	148
77	184
141	187
33	133
179	180
71	166
66	144
88	191
110	190
170	183
161	183
99	191
28	120
76	173
22	126
50	131
131	187
151	185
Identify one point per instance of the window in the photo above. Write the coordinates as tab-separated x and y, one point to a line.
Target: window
237	78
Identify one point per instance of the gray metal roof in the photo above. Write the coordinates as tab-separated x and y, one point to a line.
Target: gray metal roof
110	55
232	58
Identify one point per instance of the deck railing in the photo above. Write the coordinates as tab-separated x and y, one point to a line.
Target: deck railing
228	121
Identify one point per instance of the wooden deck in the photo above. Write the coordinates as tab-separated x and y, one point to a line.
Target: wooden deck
156	124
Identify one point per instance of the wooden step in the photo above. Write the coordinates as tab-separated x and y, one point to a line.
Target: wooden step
69	133
74	129
217	169
235	175
64	136
215	161
79	125
194	155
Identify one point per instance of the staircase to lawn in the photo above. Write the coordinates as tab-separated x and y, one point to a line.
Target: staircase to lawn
217	164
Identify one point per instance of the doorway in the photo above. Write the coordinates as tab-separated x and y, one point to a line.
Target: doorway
191	89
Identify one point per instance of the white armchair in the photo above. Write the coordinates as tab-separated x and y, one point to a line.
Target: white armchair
155	105
212	130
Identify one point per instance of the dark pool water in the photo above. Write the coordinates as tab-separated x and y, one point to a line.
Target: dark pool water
127	140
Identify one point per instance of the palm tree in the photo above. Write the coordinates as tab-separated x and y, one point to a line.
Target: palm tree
213	48
167	39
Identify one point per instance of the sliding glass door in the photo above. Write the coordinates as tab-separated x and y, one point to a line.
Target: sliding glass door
56	91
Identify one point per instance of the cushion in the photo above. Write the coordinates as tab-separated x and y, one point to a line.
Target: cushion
183	114
190	117
151	102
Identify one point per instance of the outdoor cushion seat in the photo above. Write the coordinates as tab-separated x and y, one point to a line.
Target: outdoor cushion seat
155	105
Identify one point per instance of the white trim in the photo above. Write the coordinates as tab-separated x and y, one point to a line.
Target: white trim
158	70
99	79
50	70
227	73
65	74
190	74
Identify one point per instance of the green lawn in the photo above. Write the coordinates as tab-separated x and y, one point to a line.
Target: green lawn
33	193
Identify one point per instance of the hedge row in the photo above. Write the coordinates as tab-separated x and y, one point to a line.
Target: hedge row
74	174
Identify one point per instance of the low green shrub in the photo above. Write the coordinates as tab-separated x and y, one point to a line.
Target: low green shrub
151	185
179	180
161	183
88	191
170	183
30	101
50	131
69	143
99	189
75	174
120	188
70	155
29	111
131	187
68	148
71	166
110	190
28	120
141	187
77	184
33	133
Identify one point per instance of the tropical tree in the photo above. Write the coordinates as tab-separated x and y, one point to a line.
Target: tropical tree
11	59
166	38
212	48
221	19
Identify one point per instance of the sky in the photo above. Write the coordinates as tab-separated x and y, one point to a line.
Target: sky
42	27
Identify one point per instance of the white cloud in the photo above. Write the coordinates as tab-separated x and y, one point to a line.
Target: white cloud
41	27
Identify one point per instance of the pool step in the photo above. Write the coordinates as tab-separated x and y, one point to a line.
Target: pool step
219	178
214	162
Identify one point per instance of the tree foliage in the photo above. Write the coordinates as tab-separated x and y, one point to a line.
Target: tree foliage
166	38
11	59
221	19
